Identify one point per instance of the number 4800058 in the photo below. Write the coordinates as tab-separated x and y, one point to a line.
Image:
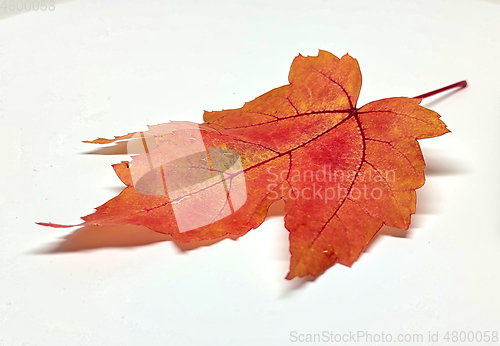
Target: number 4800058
27	5
471	336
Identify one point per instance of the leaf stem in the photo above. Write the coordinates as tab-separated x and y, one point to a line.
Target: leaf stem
461	84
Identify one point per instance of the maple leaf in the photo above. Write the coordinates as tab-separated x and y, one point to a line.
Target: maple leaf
342	171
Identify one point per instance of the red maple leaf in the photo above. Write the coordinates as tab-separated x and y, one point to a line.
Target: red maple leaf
342	171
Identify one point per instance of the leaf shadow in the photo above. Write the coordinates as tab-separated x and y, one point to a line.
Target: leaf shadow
99	237
90	238
439	164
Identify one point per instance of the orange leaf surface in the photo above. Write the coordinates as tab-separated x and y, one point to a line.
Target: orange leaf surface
342	171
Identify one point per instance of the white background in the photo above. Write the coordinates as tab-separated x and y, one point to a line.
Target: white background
95	68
